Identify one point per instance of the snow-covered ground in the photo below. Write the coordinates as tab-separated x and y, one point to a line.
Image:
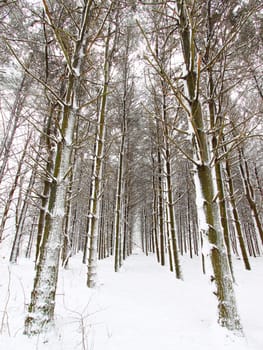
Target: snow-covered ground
143	307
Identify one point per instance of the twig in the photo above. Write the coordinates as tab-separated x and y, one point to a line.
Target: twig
5	320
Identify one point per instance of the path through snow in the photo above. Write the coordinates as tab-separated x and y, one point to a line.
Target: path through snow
145	307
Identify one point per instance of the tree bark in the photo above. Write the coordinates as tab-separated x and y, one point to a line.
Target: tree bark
237	223
96	182
206	187
249	192
42	305
13	189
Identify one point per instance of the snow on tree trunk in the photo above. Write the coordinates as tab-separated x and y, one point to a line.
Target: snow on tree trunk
171	226
42	305
236	220
41	309
214	249
97	183
205	180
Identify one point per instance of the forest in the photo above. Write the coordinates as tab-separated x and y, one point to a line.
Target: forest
129	126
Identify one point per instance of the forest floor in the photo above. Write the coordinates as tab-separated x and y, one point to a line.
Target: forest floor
143	307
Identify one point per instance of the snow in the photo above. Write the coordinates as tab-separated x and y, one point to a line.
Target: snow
141	307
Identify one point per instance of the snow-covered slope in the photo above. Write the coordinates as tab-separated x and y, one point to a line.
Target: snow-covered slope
141	307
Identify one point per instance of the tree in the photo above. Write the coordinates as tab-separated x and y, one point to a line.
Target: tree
137	150
41	308
13	187
96	182
206	188
186	16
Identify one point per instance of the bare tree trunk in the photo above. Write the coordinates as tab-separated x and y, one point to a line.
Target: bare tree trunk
249	192
89	221
15	116
154	212
119	197
31	238
96	183
169	189
160	207
126	221
13	188
189	222
237	223
22	216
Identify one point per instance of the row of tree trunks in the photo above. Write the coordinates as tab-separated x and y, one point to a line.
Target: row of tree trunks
13	122
13	189
249	193
122	191
140	164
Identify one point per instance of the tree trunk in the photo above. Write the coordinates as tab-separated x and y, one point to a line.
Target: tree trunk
237	223
13	189
96	183
249	192
45	141
15	115
216	123
169	189
154	213
120	184
206	187
42	305
22	216
160	207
